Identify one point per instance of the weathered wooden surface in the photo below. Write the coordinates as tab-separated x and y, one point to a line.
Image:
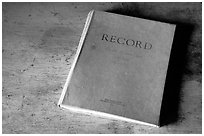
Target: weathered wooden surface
39	43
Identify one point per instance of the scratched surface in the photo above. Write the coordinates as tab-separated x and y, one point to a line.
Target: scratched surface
39	41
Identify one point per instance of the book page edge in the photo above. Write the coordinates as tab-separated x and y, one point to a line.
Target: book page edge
107	115
83	36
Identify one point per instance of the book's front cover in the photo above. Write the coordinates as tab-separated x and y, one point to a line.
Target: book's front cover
122	67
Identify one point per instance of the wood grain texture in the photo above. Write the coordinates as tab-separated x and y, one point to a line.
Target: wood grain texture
38	46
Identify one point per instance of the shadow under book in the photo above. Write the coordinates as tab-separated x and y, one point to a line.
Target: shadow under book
120	68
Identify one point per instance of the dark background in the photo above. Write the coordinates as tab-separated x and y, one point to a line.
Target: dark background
39	41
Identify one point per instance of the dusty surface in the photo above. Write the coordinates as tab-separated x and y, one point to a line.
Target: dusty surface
39	43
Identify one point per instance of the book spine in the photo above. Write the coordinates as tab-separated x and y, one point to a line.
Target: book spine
81	42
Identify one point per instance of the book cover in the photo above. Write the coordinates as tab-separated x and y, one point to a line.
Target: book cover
120	68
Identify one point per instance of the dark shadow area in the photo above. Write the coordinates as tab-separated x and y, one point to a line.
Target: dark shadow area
177	68
170	112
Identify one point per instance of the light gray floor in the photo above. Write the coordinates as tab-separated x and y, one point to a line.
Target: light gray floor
39	43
